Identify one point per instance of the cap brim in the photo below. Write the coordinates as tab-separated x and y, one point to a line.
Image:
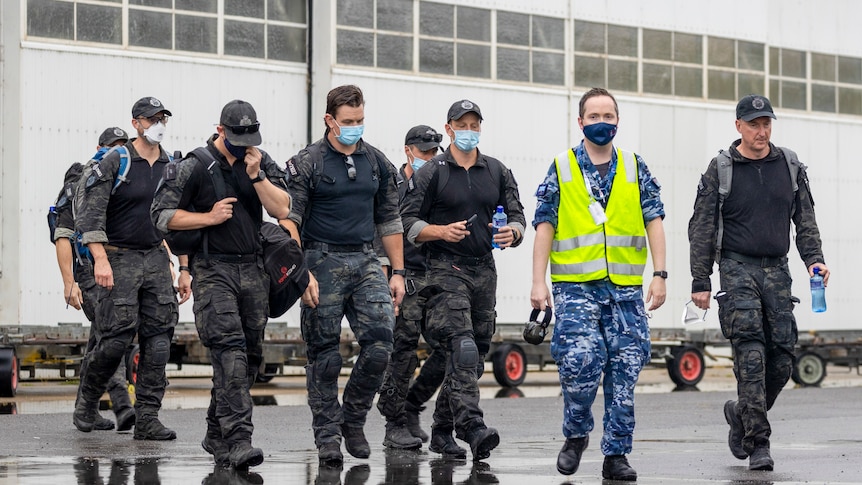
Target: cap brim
427	145
759	114
244	140
113	139
154	111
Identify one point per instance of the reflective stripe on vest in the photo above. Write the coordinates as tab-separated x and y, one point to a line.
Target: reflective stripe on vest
583	251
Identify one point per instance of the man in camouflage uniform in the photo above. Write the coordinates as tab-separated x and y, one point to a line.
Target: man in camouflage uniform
596	204
78	283
230	285
462	278
342	189
134	290
755	306
399	404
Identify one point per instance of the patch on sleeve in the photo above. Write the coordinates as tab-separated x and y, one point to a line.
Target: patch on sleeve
171	171
542	190
291	168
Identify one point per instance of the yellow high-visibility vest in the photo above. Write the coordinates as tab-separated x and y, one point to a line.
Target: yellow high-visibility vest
585	251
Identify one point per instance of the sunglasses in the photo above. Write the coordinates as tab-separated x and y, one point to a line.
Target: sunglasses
351	167
243	129
156	119
426	137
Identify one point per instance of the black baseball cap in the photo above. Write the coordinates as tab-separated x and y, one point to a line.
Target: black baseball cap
753	106
111	135
240	122
460	108
424	137
148	106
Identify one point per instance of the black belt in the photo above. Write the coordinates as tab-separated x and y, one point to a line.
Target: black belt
234	258
465	260
763	262
416	274
338	248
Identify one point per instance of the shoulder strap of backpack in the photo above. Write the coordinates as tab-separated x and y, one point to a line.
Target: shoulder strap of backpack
211	165
123	171
793	165
725	177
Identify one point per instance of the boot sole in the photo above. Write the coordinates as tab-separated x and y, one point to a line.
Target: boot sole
253	460
728	416
222	460
103	425
83	426
483	450
460	454
398	446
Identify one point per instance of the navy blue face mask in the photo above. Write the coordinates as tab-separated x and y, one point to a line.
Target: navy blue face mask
600	133
234	150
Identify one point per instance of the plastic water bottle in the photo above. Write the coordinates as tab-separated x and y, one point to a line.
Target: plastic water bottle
818	292
497	221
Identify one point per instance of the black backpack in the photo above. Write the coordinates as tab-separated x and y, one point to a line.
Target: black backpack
187	242
284	262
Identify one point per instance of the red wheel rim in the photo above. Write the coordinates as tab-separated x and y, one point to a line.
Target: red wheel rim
14	373
134	371
689	366
514	366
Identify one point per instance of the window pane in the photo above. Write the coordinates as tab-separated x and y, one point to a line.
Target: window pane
657	45
100	24
774	92
152	3
50	19
549	68
355	48
197	34
850	70
513	28
395	52
355	13
721	52
622	75
751	83
774	56
793	95
474	24
622	41
207	6
850	101
792	63
823	98
657	79
286	43
687	48
396	15
589	37
750	56
286	11
436	57
512	64
688	81
589	71
474	60
436	19
150	29
243	39
721	85
548	32
822	67
244	8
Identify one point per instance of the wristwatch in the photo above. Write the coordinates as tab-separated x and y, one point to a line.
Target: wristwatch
661	274
401	272
260	177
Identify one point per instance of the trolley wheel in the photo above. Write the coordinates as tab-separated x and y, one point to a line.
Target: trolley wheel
8	372
133	357
687	366
509	393
510	365
263	378
810	369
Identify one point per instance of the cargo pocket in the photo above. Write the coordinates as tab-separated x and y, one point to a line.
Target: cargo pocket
167	313
116	315
321	325
738	317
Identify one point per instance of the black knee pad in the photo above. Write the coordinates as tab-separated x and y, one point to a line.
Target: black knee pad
751	362
114	349
465	354
377	358
158	349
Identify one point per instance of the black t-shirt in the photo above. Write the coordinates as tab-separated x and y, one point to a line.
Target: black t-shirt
128	223
413	257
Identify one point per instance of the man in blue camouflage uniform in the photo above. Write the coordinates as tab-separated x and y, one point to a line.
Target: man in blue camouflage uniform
755	306
398	403
78	283
595	205
135	293
343	189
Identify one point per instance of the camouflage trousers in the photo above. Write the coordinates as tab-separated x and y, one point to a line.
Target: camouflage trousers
395	397
756	314
231	308
460	315
595	333
351	284
142	302
117	386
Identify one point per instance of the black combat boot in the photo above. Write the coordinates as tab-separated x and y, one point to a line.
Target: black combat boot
737	431
153	429
329	453
243	455
443	442
413	425
399	437
570	456
616	467
125	419
216	446
102	423
482	441
84	417
355	442
760	459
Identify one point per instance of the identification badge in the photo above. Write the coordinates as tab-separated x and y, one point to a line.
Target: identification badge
171	171
598	213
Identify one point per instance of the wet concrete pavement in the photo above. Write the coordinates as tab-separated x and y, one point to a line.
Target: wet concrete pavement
681	437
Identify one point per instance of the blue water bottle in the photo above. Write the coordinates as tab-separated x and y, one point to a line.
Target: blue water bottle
497	221
818	292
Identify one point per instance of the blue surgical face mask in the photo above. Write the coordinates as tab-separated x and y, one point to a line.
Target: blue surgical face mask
417	163
600	133
234	150
466	140
350	134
